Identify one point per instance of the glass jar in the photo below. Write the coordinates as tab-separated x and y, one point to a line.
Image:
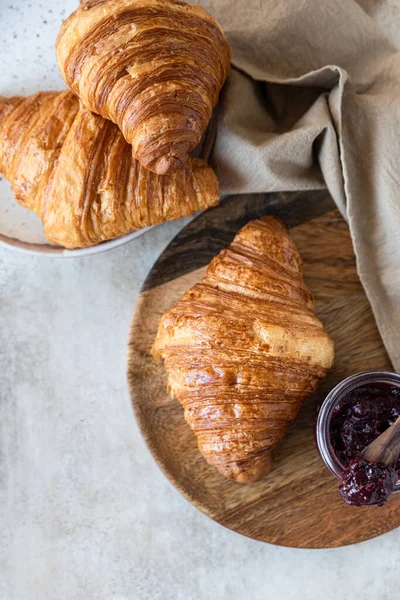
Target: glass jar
322	429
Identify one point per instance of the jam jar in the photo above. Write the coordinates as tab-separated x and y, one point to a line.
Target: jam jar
353	414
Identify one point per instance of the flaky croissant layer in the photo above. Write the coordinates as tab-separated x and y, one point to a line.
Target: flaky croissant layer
153	67
243	349
76	171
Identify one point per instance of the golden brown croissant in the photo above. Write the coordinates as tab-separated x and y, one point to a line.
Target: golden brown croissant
153	67
243	348
76	171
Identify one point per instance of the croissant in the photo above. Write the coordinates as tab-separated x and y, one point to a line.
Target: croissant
153	67
76	171
243	348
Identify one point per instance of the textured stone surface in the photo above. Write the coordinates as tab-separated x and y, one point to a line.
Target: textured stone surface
85	512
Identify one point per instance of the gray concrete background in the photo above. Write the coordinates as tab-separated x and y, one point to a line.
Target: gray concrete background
85	512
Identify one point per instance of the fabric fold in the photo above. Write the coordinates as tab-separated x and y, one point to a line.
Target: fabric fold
313	101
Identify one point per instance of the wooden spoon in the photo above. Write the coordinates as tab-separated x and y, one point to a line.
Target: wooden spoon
386	447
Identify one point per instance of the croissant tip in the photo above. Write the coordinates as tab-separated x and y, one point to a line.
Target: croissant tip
248	471
164	165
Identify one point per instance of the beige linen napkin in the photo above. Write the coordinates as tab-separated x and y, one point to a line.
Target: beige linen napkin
314	100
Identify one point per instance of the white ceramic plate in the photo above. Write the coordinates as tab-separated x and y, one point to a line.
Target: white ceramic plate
31	30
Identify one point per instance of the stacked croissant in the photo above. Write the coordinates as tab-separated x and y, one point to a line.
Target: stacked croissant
112	154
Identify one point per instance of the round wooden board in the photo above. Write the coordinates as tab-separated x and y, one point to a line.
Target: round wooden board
297	504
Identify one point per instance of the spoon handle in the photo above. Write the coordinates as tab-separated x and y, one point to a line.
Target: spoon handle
386	447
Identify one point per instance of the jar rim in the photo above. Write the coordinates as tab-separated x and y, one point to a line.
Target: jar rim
322	430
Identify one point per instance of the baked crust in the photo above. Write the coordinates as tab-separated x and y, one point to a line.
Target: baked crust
153	67
243	349
76	171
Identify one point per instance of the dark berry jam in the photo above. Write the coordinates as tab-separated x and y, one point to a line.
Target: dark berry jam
366	483
360	417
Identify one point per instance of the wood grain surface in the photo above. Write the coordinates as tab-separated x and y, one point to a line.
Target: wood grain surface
297	504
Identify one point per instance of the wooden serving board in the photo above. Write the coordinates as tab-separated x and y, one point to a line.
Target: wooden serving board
297	504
